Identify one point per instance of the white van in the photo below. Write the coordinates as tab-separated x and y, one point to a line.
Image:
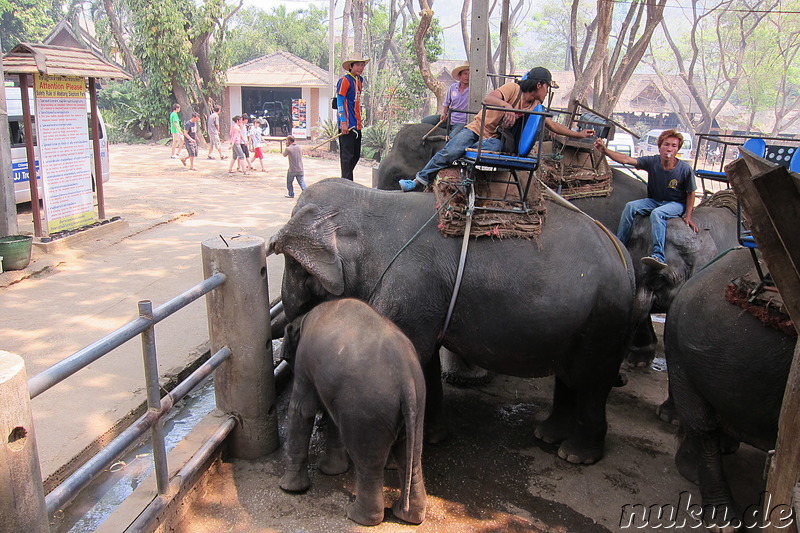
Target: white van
648	145
19	158
622	143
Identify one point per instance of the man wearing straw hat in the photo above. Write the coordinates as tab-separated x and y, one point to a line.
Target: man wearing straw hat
348	100
457	98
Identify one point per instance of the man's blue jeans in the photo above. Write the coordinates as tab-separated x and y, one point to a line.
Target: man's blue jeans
453	150
659	213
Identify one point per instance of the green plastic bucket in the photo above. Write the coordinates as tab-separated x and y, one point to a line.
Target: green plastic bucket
16	251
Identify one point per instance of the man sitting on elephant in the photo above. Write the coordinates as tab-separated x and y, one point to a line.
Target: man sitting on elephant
670	192
457	98
523	94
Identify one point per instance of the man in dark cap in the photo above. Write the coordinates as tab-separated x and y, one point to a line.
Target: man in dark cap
524	94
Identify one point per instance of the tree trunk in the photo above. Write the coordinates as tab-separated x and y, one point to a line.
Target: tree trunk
348	7
129	59
426	15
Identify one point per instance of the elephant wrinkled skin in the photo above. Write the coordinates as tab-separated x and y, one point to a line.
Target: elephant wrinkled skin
726	381
560	304
365	372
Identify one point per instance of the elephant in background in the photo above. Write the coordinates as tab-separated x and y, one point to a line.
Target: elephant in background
525	307
727	374
409	154
686	253
365	373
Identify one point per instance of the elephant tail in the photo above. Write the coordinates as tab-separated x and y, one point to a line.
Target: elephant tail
413	418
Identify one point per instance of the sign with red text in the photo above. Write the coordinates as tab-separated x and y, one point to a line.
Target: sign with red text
63	135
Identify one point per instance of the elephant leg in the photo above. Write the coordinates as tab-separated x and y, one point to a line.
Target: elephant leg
334	459
457	371
302	411
587	440
435	426
667	412
642	349
367	509
417	498
719	509
560	424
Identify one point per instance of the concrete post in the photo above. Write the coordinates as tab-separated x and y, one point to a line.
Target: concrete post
238	317
22	505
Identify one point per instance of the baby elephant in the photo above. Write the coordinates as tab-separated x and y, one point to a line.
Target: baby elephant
364	372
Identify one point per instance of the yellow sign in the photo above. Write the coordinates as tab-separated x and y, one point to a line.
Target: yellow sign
59	86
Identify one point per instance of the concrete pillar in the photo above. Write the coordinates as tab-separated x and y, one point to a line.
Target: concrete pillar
22	505
238	317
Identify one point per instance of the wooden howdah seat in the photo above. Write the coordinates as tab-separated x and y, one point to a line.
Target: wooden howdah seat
508	174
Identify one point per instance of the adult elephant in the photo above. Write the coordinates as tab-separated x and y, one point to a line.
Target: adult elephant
409	154
686	253
525	307
727	374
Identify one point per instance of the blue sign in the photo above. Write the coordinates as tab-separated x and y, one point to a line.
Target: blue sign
20	171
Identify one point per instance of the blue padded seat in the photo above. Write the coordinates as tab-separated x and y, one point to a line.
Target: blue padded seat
794	164
755	145
520	160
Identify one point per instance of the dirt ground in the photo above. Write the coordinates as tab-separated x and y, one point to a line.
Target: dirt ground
490	475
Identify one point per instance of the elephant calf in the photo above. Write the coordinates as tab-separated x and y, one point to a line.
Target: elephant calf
364	372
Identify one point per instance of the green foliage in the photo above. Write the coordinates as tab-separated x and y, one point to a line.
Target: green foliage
129	111
27	20
255	33
375	140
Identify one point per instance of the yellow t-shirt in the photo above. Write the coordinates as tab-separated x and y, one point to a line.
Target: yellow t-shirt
511	93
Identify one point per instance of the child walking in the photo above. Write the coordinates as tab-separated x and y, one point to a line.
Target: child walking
295	155
236	145
255	140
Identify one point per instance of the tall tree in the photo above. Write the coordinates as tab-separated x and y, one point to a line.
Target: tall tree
28	20
713	64
603	66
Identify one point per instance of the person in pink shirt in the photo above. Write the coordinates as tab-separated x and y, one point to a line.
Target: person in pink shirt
237	138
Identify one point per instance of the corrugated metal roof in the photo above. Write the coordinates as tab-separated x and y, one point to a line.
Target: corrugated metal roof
279	69
27	58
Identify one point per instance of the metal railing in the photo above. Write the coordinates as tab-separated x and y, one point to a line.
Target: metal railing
239	258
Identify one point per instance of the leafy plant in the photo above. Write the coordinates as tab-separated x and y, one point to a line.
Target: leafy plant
375	141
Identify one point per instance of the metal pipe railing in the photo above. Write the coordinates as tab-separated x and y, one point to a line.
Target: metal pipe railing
67	490
85	356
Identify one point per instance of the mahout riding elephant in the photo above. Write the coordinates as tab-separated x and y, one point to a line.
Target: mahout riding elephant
558	304
686	253
608	209
365	373
727	374
409	154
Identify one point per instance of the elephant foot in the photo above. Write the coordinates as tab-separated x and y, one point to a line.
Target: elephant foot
667	412
575	452
334	461
553	431
640	358
412	516
721	518
363	516
295	481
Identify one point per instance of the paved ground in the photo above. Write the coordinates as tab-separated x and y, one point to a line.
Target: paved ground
67	300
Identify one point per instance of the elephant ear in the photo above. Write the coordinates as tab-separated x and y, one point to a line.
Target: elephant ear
310	239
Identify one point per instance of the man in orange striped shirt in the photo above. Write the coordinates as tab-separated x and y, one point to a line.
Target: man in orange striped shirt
348	99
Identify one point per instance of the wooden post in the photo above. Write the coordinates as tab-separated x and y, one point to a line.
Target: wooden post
8	200
772	203
22	506
478	59
238	317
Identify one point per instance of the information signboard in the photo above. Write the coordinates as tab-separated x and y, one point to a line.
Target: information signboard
63	137
299	123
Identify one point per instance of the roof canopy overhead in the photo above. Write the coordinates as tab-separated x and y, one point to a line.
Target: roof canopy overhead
279	69
27	58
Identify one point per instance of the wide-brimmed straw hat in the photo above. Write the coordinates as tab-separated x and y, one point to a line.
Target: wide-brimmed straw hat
456	72
347	65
